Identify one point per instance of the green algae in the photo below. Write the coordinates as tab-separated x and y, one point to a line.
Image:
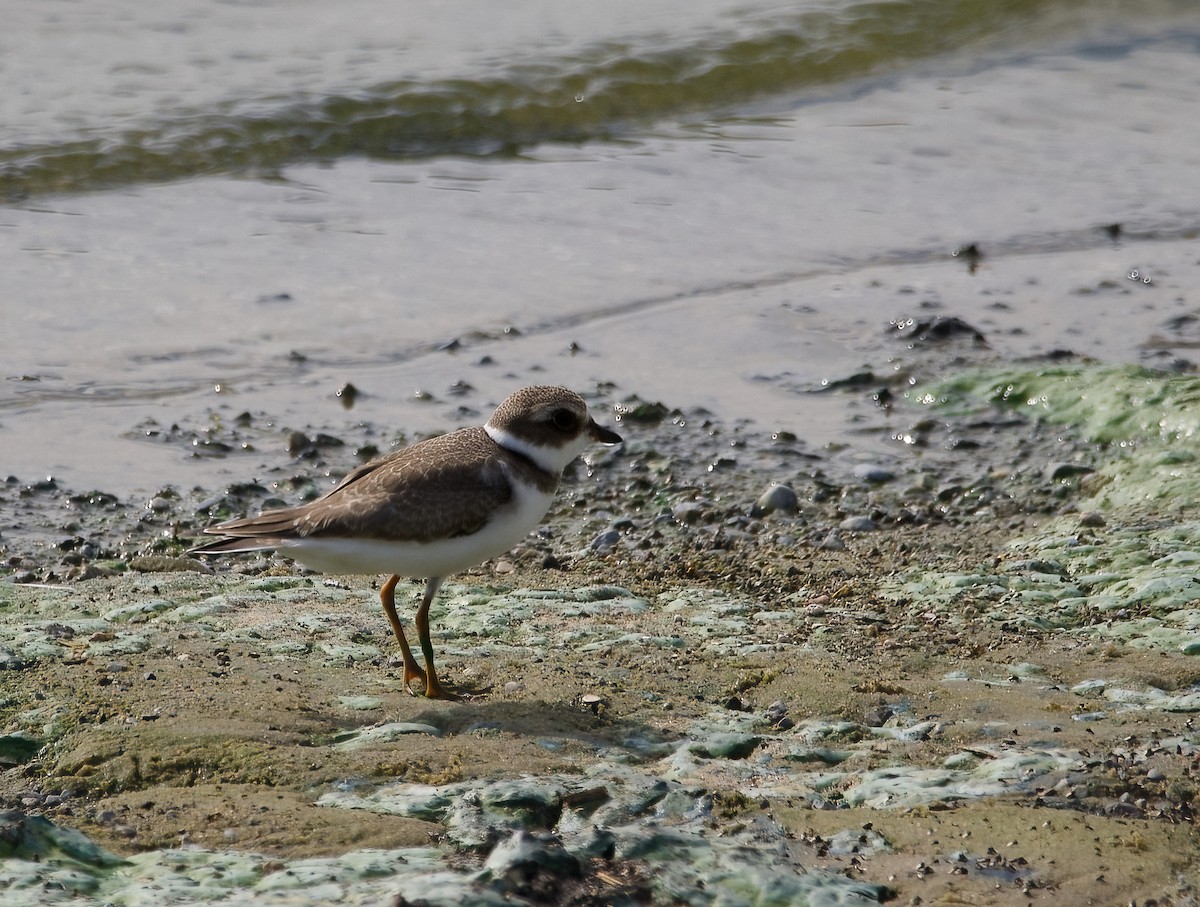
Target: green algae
361	703
226	878
1133	580
1106	404
907	786
383	733
16	749
637	817
1140	588
44	863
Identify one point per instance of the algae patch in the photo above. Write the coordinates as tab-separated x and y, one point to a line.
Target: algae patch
1123	574
1105	404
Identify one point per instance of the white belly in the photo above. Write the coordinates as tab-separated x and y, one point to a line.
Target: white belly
422	560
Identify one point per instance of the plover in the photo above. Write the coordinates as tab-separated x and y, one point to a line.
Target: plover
433	508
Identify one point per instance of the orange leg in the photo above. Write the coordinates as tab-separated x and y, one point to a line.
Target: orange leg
387	595
412	671
433	689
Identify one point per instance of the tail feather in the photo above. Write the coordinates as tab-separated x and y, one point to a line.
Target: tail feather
237	545
256	533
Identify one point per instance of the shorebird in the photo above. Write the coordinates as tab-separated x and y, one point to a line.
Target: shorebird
433	508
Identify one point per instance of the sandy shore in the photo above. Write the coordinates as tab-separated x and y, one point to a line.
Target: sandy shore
964	678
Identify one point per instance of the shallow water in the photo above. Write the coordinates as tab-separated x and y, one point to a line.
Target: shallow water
194	232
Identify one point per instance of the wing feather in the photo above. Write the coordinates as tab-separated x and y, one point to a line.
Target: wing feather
440	488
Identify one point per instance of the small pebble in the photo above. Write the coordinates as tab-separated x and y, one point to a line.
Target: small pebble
832	542
776	498
878	715
1060	472
687	513
776	711
858	524
348	394
874	473
606	540
297	443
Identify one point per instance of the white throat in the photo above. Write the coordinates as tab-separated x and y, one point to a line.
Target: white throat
552	459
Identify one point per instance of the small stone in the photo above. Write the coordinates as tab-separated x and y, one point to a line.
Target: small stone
298	443
776	498
832	542
878	715
348	394
687	513
635	410
591	702
777	716
1062	472
874	473
606	540
858	524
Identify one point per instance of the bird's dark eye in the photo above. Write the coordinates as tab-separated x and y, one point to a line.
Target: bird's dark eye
563	420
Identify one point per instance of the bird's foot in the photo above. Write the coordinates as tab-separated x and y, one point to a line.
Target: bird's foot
429	686
447	691
411	673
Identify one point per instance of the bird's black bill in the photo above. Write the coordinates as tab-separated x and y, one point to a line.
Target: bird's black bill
605	435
